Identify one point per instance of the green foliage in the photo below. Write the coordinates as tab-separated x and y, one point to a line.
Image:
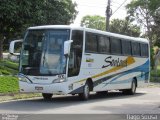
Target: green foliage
8	68
59	12
154	5
138	10
156	28
8	84
151	58
155	79
143	11
155	76
17	15
116	26
23	13
124	27
95	22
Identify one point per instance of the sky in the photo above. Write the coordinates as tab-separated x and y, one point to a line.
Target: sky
98	7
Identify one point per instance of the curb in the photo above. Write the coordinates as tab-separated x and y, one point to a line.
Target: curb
17	96
8	94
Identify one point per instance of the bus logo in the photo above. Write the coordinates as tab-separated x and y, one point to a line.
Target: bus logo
114	62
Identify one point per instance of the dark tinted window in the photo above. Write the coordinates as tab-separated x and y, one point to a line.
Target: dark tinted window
135	49
103	44
115	46
76	53
77	37
126	47
144	50
91	42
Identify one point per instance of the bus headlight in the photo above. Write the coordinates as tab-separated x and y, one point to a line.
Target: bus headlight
23	79
59	80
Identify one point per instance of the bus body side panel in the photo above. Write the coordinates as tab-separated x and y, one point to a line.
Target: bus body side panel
108	73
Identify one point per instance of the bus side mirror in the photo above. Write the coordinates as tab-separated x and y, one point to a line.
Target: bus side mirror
67	46
12	47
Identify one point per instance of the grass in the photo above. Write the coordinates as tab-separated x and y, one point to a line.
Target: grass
9	89
155	76
155	79
8	84
8	68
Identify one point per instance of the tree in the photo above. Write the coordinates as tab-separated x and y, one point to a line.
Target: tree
116	26
95	22
17	15
142	11
59	12
124	27
156	27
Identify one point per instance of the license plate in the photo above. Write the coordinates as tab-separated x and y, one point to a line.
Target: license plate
38	88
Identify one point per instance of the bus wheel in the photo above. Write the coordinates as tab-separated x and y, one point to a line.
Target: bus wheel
131	91
47	96
85	94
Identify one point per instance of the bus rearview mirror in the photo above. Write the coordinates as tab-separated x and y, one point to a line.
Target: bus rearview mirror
67	46
12	47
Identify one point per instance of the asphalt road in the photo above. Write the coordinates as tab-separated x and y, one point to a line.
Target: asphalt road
146	100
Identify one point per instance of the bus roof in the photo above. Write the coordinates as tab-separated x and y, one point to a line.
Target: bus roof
90	30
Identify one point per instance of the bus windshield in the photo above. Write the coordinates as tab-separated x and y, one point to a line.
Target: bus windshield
42	52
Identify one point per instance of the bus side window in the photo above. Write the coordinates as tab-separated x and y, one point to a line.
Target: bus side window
103	44
136	49
116	47
91	43
144	50
126	47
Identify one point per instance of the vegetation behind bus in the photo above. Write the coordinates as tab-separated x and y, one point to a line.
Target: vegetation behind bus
38	12
124	27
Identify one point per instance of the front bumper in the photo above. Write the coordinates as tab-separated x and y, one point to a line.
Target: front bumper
56	88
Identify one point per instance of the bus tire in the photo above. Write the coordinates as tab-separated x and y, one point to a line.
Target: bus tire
132	90
47	96
85	94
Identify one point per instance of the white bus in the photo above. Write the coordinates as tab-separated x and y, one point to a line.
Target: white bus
60	59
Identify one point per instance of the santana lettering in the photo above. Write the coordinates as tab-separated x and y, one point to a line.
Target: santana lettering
112	62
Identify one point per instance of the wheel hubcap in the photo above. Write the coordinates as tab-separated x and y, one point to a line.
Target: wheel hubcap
133	87
86	91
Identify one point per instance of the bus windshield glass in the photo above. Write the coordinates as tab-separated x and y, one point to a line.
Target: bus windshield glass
42	52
